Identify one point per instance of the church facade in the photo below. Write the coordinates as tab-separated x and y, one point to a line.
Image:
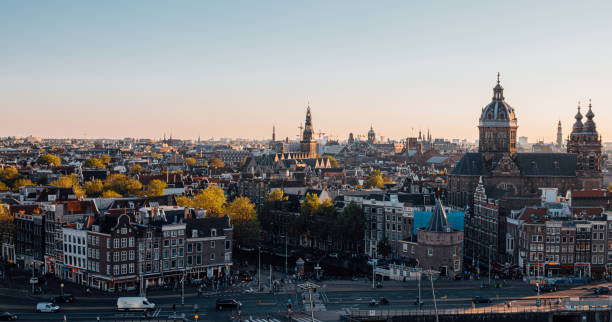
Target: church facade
511	173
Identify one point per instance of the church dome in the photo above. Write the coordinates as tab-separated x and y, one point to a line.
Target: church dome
589	125
577	128
498	112
371	131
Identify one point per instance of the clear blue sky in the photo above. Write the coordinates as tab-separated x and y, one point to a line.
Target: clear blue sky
235	68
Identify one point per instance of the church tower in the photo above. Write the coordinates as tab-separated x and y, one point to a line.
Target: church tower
308	145
371	135
585	142
559	135
497	127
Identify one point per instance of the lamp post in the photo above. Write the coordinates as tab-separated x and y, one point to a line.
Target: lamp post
259	269
62	288
309	287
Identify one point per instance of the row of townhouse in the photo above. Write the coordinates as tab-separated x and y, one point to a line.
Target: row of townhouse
120	249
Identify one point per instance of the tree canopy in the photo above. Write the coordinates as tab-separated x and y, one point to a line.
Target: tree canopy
155	188
244	219
8	176
110	194
276	195
94	163
190	161
48	159
333	162
122	184
217	163
375	180
211	199
22	182
7	224
70	181
94	188
136	168
384	247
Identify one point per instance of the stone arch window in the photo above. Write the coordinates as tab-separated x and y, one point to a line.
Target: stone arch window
489	116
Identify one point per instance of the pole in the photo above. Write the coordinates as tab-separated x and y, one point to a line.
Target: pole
419	299
286	271
183	289
373	273
259	270
489	265
433	292
271	278
311	308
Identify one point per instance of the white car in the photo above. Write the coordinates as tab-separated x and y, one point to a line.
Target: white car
47	307
33	280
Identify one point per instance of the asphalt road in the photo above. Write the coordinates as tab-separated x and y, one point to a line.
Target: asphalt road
275	305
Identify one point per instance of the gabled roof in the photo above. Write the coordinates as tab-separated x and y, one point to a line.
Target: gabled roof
471	164
547	164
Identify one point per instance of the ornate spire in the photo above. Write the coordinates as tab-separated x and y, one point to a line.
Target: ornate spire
308	129
498	91
589	125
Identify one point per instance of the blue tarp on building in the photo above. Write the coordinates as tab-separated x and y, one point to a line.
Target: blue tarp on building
421	218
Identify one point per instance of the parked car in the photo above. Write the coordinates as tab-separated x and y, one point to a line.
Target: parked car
479	300
33	280
66	298
379	285
602	290
47	307
227	303
7	316
334	255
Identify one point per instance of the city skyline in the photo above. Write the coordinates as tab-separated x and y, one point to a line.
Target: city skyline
218	70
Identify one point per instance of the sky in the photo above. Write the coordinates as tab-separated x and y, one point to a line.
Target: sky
115	69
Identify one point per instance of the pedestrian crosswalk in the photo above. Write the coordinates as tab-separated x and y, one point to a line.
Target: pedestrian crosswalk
295	319
305	319
263	320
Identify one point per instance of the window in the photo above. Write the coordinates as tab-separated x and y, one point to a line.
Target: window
131	255
228	244
174	233
131	268
123	242
181	232
199	247
116	243
189	260
123	256
194	233
180	251
166	266
116	269
115	256
166	242
180	241
180	263
212	256
213	232
189	248
132	243
165	253
429	251
123	269
174	242
123	231
212	244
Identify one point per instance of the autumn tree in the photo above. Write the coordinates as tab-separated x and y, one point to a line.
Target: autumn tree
94	188
122	184
105	159
244	220
110	194
94	163
310	204
7	224
48	159
8	176
136	168
276	195
22	182
211	199
155	188
3	186
190	162
375	180
70	181
217	163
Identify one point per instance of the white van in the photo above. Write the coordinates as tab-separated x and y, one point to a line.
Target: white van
134	304
47	307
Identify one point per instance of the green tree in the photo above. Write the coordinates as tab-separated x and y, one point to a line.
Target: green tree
48	159
155	188
110	194
94	163
94	188
244	220
375	180
22	182
332	161
350	226
122	184
384	247
70	181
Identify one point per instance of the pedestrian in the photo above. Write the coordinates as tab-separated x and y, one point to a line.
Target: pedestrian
97	318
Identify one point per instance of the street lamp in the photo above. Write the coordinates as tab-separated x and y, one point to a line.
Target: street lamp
259	269
62	288
309	287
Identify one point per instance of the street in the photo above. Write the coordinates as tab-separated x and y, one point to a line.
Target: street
337	297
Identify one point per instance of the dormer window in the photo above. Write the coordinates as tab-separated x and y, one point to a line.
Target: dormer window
213	232
194	233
